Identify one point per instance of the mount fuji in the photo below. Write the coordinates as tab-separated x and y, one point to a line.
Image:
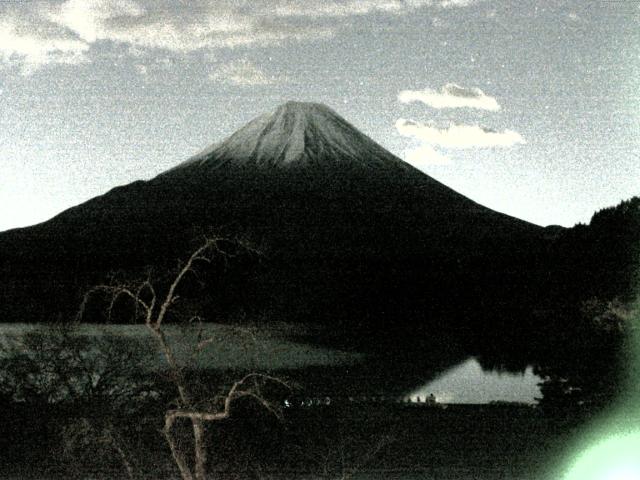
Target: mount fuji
352	236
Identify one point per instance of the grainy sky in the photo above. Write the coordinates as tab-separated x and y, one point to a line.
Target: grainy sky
529	107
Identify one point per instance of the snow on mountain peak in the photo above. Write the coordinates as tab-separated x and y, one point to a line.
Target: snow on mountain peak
296	133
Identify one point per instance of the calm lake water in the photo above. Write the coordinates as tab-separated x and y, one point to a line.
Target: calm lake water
467	382
283	347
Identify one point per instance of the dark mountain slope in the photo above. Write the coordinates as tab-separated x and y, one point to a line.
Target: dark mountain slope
352	236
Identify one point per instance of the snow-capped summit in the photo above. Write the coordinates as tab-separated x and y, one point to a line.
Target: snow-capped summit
296	133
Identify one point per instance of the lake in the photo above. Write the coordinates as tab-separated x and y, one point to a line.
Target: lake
467	382
289	347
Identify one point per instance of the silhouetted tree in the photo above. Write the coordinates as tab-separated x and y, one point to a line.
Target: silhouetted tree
153	307
48	371
587	366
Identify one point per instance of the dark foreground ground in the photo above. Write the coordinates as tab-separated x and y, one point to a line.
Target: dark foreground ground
324	442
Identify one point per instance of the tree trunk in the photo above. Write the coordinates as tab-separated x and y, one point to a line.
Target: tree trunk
185	472
200	449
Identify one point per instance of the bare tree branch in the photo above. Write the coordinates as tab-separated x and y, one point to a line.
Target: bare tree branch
171	294
154	309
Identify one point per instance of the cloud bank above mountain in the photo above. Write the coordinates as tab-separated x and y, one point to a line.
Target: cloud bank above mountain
34	34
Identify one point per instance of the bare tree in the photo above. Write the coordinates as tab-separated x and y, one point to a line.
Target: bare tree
82	436
153	306
66	369
345	457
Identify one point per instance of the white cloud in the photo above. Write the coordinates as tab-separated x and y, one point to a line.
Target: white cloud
333	8
153	25
90	19
458	3
455	136
451	96
343	8
174	25
458	136
243	73
425	155
33	47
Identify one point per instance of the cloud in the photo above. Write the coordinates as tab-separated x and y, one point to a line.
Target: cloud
91	19
451	96
458	3
338	9
425	155
73	27
348	8
345	8
243	73
154	25
458	136
33	47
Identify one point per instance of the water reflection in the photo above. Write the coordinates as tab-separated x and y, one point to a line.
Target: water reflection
449	375
467	382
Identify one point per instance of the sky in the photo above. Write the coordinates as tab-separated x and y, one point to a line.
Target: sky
531	108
